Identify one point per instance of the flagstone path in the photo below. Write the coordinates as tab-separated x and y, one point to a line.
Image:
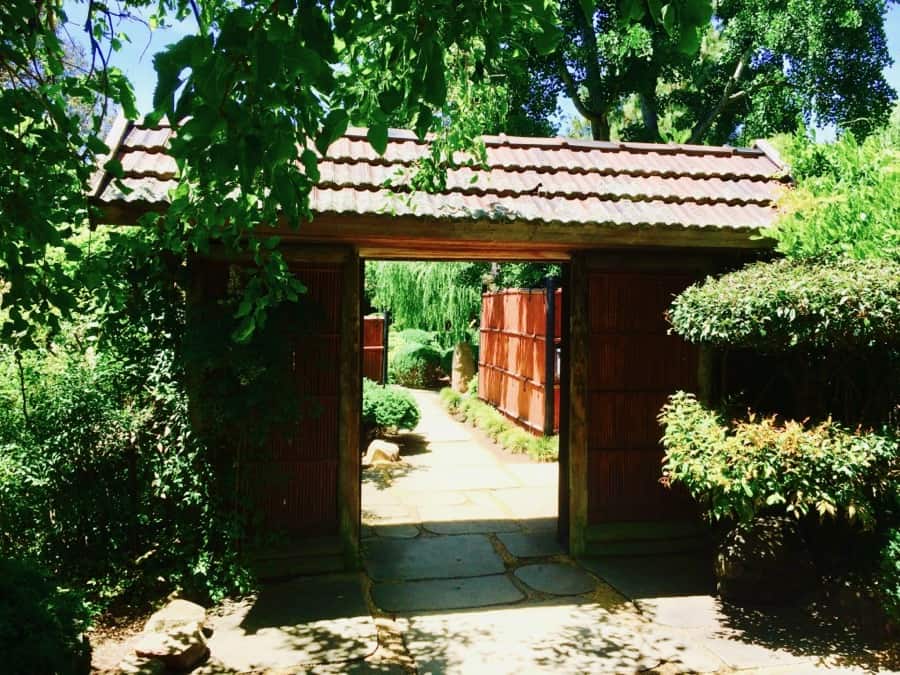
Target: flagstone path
463	574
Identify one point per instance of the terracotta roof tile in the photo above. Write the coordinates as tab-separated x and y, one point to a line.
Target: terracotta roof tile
540	180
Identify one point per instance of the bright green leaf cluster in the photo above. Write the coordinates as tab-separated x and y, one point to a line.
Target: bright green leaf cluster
754	466
846	197
788	304
387	407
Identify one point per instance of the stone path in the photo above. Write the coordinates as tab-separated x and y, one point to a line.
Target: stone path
463	575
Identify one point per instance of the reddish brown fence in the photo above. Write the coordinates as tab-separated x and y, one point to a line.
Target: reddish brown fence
374	348
513	363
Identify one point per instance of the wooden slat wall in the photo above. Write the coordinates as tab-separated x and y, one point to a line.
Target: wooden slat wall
373	348
511	364
633	365
295	484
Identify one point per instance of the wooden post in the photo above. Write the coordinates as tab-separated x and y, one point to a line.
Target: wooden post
350	410
550	357
384	344
577	344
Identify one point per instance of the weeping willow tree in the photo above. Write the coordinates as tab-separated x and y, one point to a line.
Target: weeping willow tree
443	297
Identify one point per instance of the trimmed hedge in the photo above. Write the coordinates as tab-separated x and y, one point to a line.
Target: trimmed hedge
386	407
415	365
787	304
502	431
753	466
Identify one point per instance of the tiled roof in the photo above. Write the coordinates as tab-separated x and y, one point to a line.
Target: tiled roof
550	180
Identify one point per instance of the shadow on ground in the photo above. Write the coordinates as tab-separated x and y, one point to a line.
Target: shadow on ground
677	591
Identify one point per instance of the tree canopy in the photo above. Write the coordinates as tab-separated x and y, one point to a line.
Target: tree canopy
702	72
250	92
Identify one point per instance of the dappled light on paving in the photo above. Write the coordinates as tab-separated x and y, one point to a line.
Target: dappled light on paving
463	573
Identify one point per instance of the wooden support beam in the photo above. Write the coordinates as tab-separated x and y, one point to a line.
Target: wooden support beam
575	295
550	358
350	410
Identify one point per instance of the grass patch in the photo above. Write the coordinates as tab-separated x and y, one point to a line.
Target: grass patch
499	429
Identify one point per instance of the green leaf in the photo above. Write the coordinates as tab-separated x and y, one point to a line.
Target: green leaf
689	40
668	13
378	136
333	127
588	7
631	10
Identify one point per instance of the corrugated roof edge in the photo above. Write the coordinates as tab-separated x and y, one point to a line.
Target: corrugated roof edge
774	156
115	137
402	135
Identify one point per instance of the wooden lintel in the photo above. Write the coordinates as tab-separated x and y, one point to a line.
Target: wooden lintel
402	236
296	253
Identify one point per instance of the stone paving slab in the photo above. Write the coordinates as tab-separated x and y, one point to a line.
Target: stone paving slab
444	594
460	477
528	502
467	511
529	639
473	526
530	544
656	576
312	620
375	514
396	531
535	475
465	555
556	579
443	454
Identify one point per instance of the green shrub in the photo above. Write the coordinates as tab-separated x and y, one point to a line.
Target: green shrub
415	365
41	626
386	407
758	465
472	389
845	197
889	575
414	336
826	304
451	399
501	430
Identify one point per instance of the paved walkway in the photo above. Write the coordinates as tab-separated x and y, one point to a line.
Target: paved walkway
463	575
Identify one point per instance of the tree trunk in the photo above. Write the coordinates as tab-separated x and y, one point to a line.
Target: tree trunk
650	115
600	127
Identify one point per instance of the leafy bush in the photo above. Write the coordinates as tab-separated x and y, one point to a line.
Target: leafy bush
386	407
754	466
414	336
451	399
786	304
502	431
415	365
472	389
110	491
845	199
889	576
41	626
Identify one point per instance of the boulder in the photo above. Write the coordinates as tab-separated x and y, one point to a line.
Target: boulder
765	561
174	615
179	648
137	665
174	636
463	367
381	452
